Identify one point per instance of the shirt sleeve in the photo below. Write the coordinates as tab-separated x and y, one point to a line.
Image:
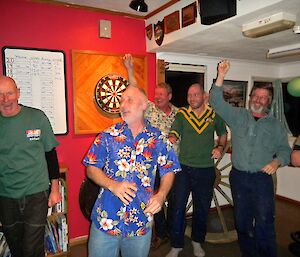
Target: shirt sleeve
97	154
220	126
167	160
284	150
228	113
52	164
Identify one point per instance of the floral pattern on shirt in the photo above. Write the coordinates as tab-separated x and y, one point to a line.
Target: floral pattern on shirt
161	120
124	158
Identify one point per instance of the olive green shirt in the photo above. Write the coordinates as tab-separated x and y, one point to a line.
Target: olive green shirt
255	143
24	139
197	136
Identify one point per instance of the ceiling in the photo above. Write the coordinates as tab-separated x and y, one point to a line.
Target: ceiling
223	39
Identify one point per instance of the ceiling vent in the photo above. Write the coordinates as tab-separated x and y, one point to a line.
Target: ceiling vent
269	25
284	51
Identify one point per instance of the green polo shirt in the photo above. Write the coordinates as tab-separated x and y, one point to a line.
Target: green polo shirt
24	139
197	136
254	143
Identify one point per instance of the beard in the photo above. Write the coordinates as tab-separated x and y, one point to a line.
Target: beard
259	110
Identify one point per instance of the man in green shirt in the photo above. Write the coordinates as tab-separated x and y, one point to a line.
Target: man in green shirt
195	125
259	147
27	160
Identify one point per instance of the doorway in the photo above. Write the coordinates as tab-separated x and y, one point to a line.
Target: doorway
180	77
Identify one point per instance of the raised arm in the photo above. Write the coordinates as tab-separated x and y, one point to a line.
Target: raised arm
129	65
223	67
227	112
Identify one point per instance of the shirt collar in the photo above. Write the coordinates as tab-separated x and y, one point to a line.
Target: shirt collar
123	126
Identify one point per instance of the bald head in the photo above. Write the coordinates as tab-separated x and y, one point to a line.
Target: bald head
198	86
9	96
137	92
7	80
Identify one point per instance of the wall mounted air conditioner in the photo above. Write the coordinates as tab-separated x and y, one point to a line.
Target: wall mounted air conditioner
268	25
283	51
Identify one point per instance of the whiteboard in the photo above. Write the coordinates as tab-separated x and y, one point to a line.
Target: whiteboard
40	75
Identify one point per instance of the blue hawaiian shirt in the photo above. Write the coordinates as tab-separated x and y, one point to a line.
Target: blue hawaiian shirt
124	158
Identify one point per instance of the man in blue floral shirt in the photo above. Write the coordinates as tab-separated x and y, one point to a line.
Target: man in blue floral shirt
123	160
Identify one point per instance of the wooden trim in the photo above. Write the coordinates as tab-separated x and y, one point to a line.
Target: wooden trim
94	9
87	113
78	240
289	200
160	71
163	7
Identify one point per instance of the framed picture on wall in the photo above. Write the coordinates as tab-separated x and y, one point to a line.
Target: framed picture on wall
149	31
235	92
189	14
172	22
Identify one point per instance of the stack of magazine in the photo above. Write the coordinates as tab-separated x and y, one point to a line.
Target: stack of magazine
56	236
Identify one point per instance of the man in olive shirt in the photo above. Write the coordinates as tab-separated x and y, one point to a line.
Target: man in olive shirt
27	160
259	147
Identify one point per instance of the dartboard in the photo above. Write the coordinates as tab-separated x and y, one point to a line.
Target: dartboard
108	92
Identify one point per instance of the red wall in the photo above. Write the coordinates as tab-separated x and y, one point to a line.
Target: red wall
37	25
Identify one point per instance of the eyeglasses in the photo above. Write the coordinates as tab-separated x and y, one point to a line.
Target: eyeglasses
261	98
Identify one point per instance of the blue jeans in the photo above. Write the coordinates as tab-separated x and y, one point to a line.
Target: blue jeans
200	182
254	211
23	221
103	245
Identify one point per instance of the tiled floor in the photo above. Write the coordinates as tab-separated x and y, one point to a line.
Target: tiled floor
287	220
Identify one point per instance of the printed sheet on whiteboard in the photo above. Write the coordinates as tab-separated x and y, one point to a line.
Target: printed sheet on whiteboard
40	75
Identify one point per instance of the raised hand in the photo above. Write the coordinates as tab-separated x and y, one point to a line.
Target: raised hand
223	67
128	61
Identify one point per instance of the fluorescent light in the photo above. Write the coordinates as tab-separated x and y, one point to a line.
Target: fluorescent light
283	51
268	25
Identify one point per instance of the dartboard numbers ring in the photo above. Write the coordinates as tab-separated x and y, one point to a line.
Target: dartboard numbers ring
108	93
